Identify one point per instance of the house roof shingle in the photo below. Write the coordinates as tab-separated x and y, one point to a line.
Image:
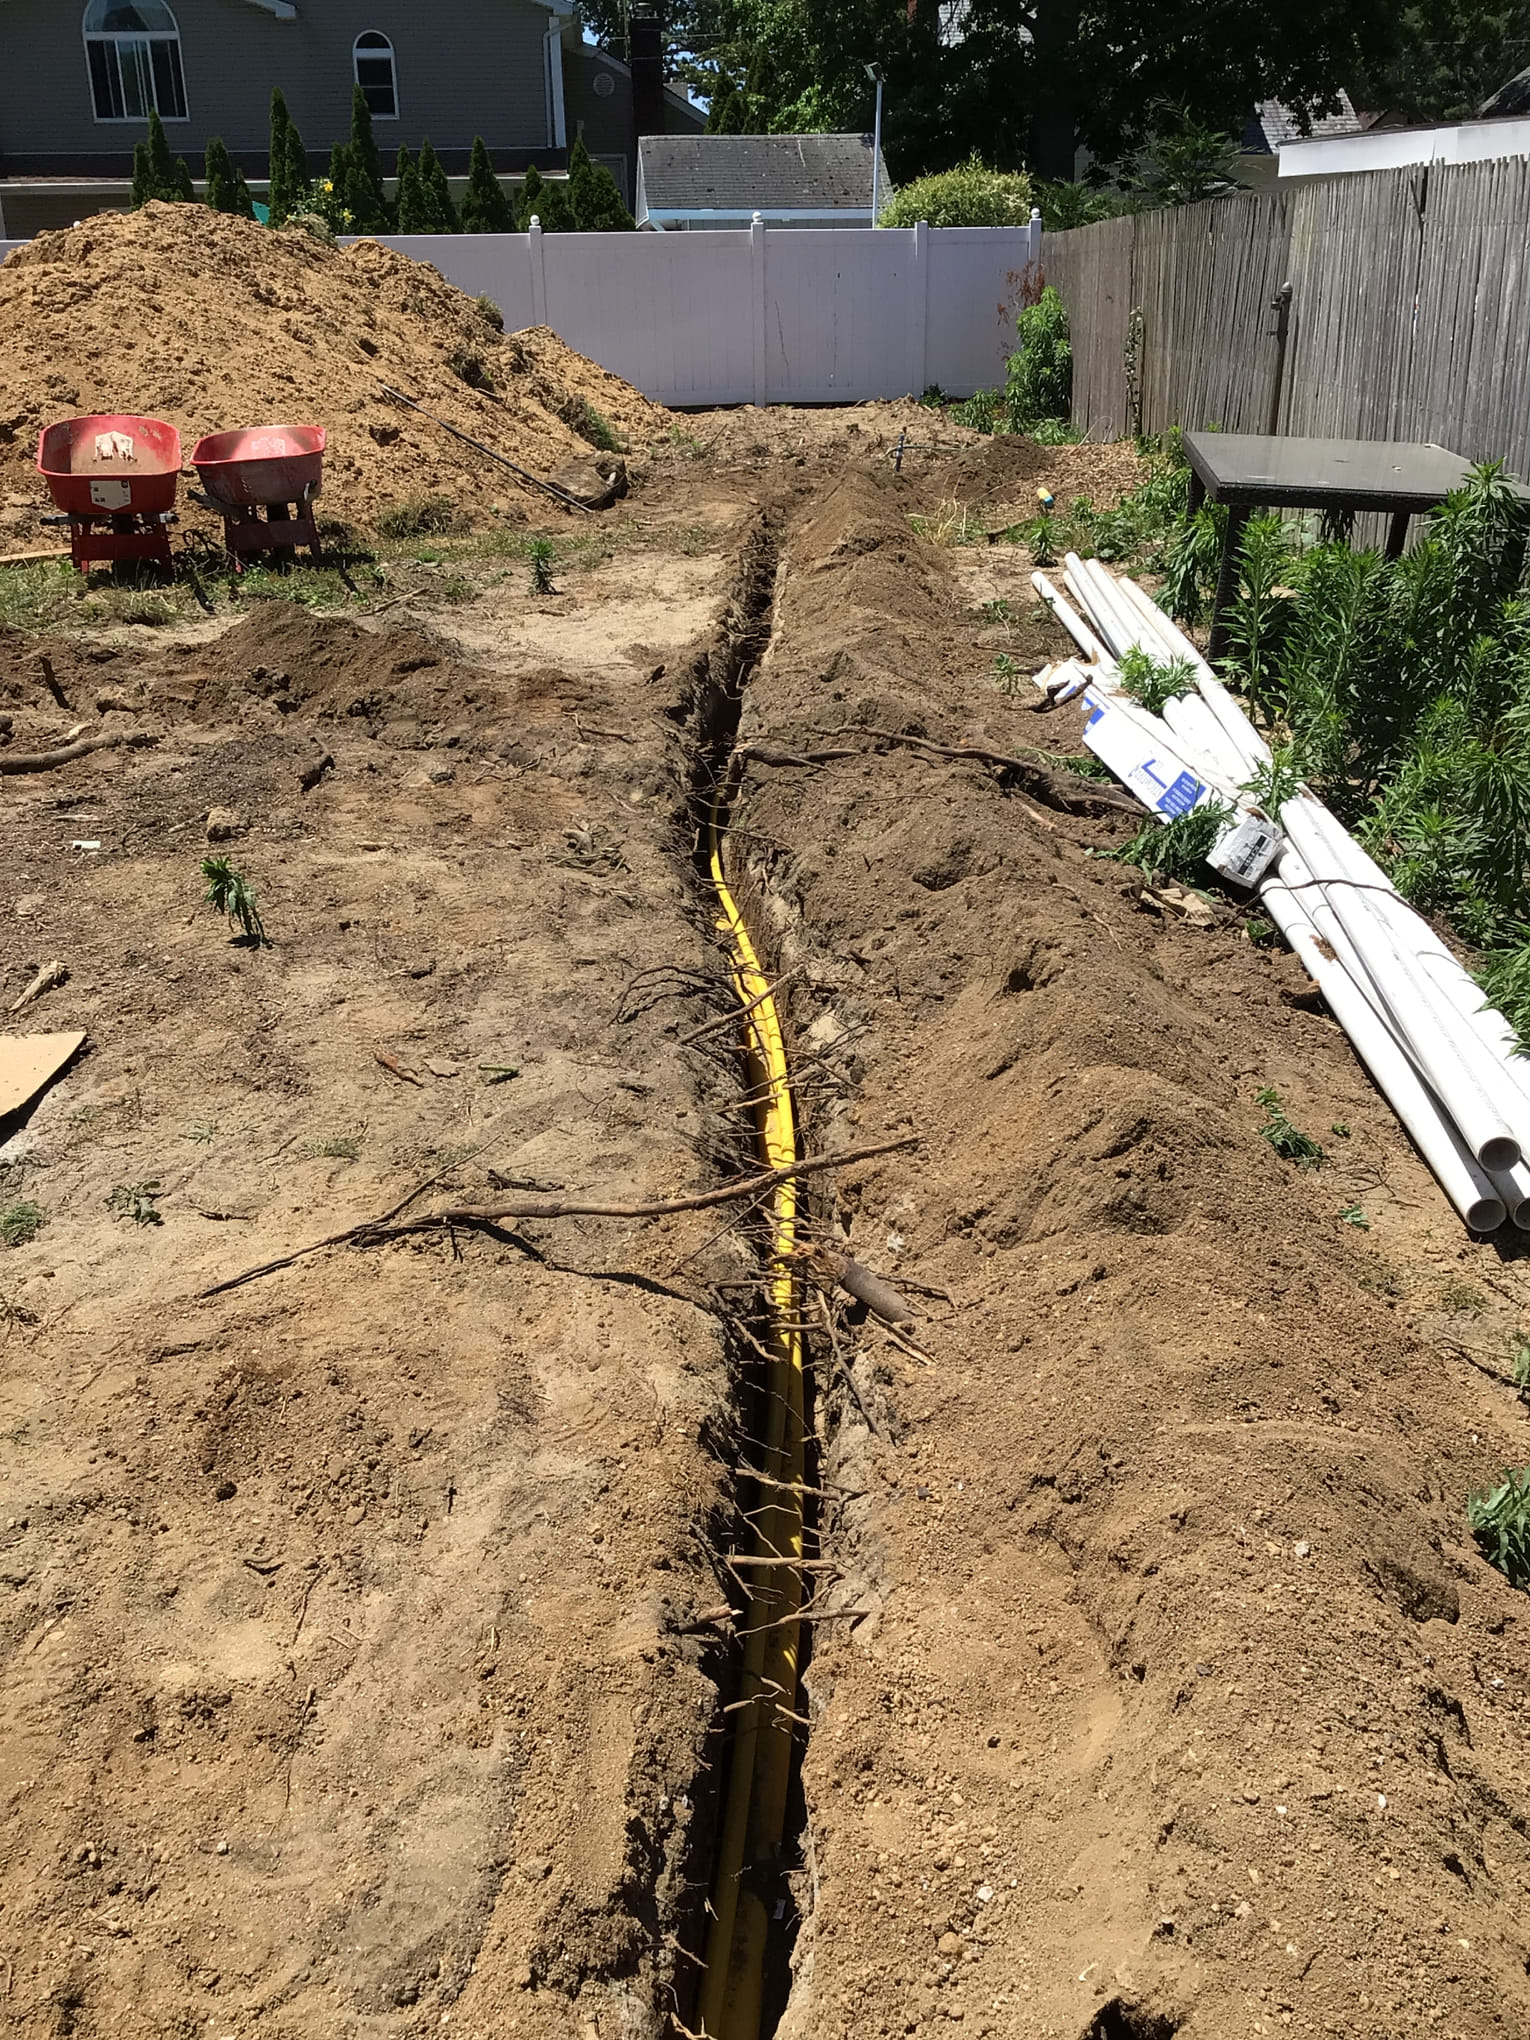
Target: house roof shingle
774	173
1274	124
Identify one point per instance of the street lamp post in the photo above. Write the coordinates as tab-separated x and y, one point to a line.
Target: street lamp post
879	79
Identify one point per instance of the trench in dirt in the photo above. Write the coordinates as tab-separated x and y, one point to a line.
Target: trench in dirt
749	1928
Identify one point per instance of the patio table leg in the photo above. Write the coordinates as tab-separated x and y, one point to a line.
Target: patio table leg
1227	578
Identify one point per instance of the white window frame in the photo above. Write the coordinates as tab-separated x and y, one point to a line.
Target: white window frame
356	56
114	37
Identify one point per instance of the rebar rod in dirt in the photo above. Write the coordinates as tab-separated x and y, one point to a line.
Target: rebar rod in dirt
549	488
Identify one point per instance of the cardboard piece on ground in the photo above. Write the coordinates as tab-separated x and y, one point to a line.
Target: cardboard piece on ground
28	1061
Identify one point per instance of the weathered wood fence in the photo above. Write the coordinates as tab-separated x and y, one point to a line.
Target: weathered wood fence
1410	311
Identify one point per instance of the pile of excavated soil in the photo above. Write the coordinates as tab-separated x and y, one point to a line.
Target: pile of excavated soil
1007	468
1181	1699
213	322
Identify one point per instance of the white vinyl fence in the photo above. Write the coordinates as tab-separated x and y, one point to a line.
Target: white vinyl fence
764	315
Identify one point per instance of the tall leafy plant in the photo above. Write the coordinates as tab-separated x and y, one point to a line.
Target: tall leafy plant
1403	687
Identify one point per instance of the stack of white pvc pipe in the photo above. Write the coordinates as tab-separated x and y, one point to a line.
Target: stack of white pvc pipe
1443	1059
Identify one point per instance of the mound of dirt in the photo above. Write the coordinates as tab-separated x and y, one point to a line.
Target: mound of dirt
213	322
1006	469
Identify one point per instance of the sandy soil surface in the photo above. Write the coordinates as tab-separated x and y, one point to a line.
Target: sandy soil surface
363	1668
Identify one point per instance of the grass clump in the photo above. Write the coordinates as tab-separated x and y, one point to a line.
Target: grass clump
339	1147
230	893
1461	1300
37	594
136	1201
953	523
472	369
489	312
1500	1520
1288	1141
418	517
596	427
21	1222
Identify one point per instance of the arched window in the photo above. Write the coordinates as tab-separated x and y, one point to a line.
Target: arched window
375	74
133	48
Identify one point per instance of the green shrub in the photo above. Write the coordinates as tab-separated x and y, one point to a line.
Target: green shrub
472	369
972	195
21	1222
1403	689
1175	849
1038	381
1500	1520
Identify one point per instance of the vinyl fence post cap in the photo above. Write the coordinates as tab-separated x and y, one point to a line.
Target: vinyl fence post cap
757	219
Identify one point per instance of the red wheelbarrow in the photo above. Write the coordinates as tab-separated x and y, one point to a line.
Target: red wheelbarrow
278	469
114	478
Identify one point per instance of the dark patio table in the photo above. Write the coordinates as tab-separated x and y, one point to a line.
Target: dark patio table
1250	471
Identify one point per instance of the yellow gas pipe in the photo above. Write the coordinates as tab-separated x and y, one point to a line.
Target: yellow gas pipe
754	1818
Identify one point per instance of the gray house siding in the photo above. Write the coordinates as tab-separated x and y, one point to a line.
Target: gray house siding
463	67
605	124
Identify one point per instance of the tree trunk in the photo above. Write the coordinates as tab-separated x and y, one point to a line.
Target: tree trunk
1054	120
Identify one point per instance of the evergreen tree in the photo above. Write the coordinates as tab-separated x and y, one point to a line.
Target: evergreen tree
720	106
361	202
545	202
172	180
156	173
227	191
368	201
553	207
528	200
485	208
412	201
143	176
443	213
298	178
288	193
592	195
